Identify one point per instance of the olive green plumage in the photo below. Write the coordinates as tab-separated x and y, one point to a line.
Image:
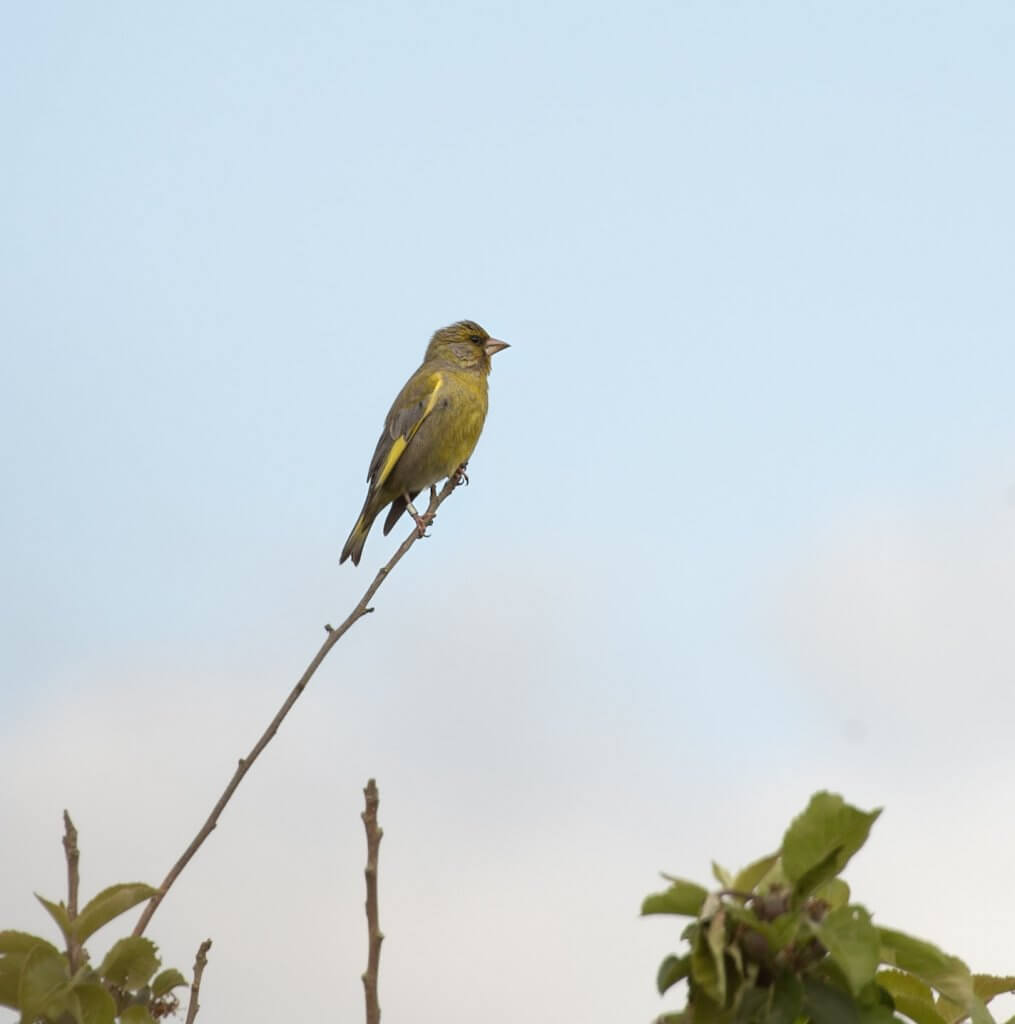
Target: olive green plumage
432	427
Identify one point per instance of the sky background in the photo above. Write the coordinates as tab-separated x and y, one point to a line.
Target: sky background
741	525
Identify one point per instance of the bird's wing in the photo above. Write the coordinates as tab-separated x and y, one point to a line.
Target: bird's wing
402	423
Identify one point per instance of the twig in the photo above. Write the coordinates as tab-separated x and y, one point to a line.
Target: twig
200	961
334	635
374	935
70	847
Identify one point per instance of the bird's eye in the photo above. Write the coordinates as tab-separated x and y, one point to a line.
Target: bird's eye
475	339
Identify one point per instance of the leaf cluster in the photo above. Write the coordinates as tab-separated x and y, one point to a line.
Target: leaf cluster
780	942
46	984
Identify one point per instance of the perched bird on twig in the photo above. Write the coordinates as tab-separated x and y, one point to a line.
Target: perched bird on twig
431	429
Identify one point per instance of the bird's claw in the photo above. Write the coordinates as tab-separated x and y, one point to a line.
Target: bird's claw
461	477
422	522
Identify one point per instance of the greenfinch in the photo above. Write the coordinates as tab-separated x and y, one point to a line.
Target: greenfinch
431	429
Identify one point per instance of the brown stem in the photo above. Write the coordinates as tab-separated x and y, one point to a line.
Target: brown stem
200	961
70	847
374	935
334	635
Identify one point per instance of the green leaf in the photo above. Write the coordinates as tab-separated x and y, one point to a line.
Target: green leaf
44	983
722	876
22	942
835	892
898	983
704	973
136	1015
948	974
787	996
58	912
715	937
828	1004
911	996
986	986
852	942
130	963
820	842
10	975
749	1004
171	978
671	970
109	903
97	1005
682	897
751	875
706	1010
979	1014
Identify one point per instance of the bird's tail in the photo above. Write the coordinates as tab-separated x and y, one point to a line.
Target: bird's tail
354	545
398	506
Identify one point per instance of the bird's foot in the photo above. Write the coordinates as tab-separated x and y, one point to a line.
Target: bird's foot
422	522
460	476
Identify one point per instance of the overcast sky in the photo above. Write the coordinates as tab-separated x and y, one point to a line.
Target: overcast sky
741	525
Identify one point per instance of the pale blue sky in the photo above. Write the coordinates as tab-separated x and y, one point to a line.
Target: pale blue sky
755	262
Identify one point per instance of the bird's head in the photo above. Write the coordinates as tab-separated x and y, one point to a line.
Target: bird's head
465	344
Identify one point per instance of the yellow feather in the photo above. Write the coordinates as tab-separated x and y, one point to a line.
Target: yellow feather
401	443
399	446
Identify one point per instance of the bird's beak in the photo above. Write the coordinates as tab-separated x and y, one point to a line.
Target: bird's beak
493	346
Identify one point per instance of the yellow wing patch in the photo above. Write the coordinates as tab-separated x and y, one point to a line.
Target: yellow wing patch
401	443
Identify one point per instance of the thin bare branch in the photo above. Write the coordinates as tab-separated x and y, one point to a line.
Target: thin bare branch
374	935
244	765
70	847
200	962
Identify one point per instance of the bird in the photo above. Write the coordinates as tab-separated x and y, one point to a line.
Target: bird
431	429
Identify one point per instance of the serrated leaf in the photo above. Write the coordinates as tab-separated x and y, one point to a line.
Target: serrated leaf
852	943
22	942
136	1015
97	1005
911	996
130	963
820	841
108	904
919	1013
684	898
167	980
750	876
58	912
897	983
671	970
986	986
948	974
44	981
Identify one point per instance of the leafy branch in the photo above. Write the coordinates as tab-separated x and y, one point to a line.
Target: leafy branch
781	943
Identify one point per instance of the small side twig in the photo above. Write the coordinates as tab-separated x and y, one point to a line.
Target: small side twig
70	847
374	935
200	962
245	763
